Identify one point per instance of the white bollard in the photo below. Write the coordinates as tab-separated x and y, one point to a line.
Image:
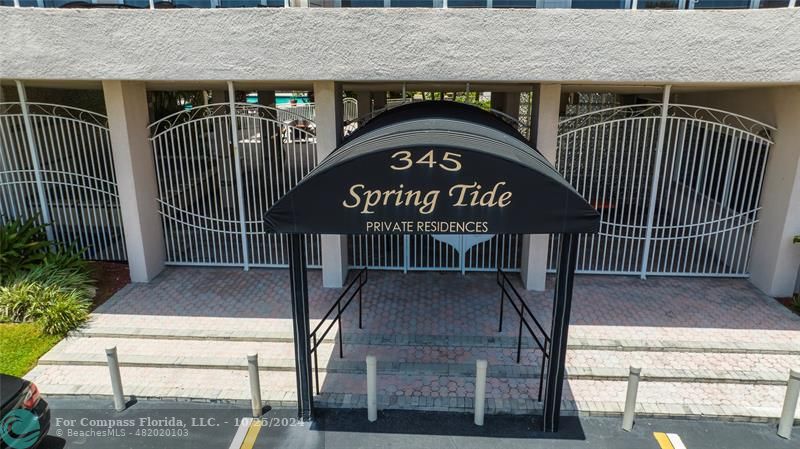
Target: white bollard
630	399
480	390
789	405
255	384
372	388
116	379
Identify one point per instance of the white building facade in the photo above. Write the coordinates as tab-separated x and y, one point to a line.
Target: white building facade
680	126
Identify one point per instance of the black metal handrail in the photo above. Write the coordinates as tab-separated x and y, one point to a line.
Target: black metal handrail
506	288
359	281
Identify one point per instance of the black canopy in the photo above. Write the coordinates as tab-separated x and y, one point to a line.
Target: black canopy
433	167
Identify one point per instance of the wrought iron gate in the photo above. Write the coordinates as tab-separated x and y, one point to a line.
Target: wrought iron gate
431	253
216	181
678	187
56	163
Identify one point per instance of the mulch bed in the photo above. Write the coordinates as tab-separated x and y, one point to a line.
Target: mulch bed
788	303
109	278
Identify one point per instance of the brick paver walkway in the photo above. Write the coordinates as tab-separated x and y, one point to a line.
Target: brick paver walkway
707	346
454	304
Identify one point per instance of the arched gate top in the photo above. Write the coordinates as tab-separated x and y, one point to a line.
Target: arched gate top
433	168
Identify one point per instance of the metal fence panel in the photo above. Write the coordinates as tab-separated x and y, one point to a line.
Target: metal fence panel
199	178
704	192
62	171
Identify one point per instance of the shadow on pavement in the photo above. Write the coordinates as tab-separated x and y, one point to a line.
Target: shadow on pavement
411	422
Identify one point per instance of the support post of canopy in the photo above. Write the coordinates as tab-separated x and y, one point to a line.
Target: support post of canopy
300	325
559	329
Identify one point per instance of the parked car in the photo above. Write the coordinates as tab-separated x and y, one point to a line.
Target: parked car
25	414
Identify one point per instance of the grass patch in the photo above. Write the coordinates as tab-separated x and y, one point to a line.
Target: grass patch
21	345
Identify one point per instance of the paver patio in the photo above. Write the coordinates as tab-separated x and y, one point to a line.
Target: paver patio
702	343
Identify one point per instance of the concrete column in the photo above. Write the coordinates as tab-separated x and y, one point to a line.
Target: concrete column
511	104
544	133
266	98
364	99
774	258
134	165
506	102
270	134
498	101
328	99
219	96
379	100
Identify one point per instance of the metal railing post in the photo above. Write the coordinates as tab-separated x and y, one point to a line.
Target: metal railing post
152	4
37	167
238	167
16	3
501	281
116	378
789	405
480	390
372	388
406	253
651	210
316	363
255	384
630	399
339	319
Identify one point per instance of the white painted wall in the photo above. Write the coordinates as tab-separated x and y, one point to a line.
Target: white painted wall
368	44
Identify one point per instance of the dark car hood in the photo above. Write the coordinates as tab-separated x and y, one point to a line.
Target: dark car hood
10	388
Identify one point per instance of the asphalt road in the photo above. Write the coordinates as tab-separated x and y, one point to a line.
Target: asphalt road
85	423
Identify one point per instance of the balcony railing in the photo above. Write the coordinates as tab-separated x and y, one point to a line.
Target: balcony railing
575	4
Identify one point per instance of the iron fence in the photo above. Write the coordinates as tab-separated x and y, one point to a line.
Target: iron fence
56	163
219	168
678	187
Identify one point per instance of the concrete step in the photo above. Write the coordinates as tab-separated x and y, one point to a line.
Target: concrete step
278	331
357	368
757	369
759	403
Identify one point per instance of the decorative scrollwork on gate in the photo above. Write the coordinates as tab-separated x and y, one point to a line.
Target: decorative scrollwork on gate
214	191
705	194
71	179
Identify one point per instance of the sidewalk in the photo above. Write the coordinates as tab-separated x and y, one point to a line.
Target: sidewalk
708	347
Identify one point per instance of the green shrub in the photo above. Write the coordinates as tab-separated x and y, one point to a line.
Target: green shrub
69	258
41	281
23	246
64	311
57	309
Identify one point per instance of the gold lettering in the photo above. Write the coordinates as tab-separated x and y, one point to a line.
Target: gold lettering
371	198
354	195
429	202
505	199
388	194
413	194
463	190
